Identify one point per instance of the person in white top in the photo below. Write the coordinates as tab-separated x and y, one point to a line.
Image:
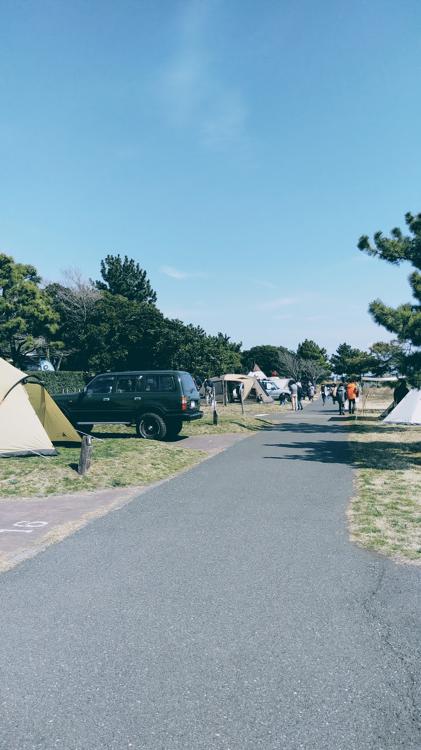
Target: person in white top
293	389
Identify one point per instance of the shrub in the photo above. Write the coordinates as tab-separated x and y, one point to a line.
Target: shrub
62	381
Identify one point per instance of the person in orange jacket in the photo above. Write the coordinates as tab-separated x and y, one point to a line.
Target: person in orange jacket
352	393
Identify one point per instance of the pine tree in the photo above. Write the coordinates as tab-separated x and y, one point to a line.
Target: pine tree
126	278
404	320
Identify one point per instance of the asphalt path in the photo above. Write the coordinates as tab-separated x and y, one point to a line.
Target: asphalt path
223	610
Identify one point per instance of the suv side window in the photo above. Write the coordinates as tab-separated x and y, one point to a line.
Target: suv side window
126	384
101	385
149	383
166	383
157	383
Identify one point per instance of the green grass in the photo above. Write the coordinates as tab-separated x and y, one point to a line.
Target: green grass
230	419
118	461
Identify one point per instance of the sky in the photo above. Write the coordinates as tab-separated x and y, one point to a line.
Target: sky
237	149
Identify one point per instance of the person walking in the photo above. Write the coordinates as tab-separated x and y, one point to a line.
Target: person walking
340	397
352	394
400	391
293	391
323	393
299	396
311	391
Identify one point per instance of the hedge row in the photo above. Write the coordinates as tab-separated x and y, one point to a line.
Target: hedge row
62	382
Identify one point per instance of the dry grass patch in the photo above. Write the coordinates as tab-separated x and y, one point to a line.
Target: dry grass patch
119	460
230	418
375	400
385	514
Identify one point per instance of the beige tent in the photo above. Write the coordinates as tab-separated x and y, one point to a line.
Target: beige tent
29	418
225	383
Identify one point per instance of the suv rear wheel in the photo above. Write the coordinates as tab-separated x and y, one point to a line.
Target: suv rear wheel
151	427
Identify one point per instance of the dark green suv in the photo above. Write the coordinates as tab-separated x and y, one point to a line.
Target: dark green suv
156	401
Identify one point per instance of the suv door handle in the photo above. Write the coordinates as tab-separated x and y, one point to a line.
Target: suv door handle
106	399
137	398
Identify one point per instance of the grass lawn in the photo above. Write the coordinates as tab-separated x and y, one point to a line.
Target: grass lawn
230	418
385	514
119	460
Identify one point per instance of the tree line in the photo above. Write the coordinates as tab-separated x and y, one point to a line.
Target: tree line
114	323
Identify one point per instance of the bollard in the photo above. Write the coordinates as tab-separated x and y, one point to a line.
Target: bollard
85	455
240	391
214	412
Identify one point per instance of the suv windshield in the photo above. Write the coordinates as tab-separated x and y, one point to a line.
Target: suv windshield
187	383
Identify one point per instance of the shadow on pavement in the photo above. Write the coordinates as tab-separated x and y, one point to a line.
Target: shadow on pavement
334	425
374	455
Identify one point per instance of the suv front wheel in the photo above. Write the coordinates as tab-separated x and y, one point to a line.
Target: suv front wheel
151	427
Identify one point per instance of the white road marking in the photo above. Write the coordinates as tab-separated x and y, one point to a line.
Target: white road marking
31	524
17	531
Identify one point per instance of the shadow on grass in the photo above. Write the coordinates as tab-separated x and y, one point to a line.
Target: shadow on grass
374	455
109	435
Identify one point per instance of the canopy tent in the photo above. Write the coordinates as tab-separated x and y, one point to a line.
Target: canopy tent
224	384
408	411
29	418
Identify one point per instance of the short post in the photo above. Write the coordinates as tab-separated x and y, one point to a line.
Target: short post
85	455
214	412
240	391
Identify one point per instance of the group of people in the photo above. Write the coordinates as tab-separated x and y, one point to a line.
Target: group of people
341	393
297	393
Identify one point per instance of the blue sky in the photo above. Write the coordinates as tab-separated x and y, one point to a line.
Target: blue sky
235	149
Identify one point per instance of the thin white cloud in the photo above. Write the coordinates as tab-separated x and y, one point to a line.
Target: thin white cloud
192	93
279	302
265	284
175	273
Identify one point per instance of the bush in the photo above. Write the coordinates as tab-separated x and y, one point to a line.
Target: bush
62	381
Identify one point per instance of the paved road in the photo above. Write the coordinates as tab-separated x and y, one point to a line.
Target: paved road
30	524
225	610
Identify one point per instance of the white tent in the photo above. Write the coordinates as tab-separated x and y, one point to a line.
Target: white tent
408	411
256	372
29	418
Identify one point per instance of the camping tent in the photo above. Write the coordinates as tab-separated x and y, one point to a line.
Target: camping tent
225	383
408	411
256	372
29	418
